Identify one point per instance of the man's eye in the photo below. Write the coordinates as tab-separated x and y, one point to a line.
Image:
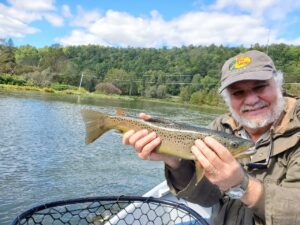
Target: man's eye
260	88
237	93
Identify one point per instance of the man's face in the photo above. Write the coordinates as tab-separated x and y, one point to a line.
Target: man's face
255	104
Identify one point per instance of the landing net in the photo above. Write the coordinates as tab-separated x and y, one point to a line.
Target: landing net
110	210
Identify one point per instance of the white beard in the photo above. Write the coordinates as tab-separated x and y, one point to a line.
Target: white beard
264	121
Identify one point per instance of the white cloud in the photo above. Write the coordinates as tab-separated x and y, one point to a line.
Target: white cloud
295	41
16	17
36	5
54	19
79	37
17	14
85	18
198	28
66	12
13	26
269	9
227	22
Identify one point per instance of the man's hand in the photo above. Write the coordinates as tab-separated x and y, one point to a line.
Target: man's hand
223	170
145	143
220	167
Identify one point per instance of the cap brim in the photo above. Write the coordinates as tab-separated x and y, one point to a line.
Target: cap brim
261	75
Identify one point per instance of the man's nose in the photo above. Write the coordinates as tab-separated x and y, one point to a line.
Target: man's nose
251	98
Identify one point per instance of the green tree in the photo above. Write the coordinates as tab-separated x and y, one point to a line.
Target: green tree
185	94
150	92
207	83
27	55
196	83
126	82
7	60
161	91
53	58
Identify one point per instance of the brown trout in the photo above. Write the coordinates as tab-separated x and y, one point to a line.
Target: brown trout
176	138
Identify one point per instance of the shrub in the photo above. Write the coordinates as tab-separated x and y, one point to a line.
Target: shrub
205	97
108	88
11	79
161	91
49	90
150	92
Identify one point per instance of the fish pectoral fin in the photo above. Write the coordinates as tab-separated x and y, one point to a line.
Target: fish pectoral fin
199	171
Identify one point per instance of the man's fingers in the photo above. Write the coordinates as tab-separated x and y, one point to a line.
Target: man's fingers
126	136
146	151
209	154
219	149
139	144
207	166
144	116
137	136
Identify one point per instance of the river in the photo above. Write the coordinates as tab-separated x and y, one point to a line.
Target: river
43	156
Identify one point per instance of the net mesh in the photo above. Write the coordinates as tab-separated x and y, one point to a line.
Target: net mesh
110	210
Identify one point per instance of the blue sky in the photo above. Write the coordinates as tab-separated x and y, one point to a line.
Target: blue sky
150	23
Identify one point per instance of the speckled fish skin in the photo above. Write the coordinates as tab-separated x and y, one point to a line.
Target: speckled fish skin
176	139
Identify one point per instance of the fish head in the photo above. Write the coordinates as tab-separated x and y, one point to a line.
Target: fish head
239	147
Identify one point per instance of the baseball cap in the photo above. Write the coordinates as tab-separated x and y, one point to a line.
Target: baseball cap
250	65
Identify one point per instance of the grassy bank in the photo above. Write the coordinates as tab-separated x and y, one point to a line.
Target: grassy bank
291	89
173	100
45	89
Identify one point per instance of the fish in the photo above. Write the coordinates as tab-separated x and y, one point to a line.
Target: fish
176	138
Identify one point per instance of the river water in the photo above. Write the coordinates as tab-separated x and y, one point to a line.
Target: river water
43	156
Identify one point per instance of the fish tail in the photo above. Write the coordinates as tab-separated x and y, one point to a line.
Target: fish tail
95	124
199	171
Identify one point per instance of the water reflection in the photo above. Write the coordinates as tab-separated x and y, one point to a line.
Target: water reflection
43	156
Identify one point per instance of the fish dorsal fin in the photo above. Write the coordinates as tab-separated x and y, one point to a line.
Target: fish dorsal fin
120	112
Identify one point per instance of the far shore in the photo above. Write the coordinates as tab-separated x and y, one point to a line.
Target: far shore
174	100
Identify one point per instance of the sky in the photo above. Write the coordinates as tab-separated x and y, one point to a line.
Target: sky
150	23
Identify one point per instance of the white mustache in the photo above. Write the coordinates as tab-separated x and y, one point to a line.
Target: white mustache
257	105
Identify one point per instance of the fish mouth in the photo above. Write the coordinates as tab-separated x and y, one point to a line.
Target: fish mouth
248	152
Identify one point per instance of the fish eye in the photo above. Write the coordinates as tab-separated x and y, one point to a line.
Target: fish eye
234	144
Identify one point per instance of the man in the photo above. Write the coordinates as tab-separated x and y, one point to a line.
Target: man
264	190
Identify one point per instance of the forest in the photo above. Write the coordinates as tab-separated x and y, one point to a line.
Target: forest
190	72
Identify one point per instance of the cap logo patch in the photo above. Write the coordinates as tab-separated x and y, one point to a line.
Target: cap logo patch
239	62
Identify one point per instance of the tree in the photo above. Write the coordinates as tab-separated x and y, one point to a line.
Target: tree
27	55
150	92
7	60
10	43
54	58
40	79
161	91
185	93
89	79
207	83
196	83
126	82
